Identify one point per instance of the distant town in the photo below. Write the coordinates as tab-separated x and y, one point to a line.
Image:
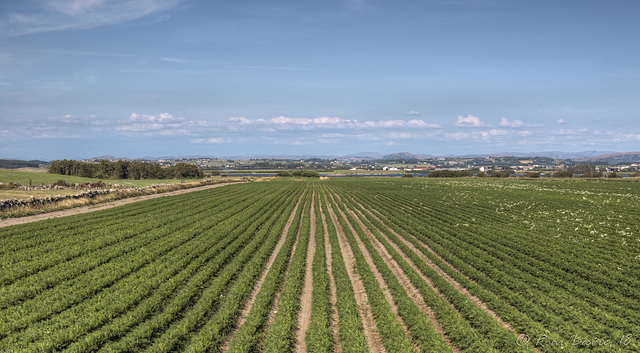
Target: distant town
623	164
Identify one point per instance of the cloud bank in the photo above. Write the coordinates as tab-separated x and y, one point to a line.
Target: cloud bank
328	123
330	132
513	123
469	121
58	15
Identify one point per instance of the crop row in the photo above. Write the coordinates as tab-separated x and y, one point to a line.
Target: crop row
350	327
484	334
459	252
318	335
280	336
250	334
554	294
415	265
212	275
420	328
537	296
84	239
156	262
390	330
213	334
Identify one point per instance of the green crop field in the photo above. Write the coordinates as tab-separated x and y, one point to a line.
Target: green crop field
37	178
336	265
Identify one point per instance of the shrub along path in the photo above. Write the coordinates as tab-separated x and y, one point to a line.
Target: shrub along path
92	208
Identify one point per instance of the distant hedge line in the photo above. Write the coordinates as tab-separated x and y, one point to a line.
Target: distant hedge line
124	170
299	173
15	164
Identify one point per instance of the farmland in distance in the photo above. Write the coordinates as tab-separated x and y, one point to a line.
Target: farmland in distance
338	265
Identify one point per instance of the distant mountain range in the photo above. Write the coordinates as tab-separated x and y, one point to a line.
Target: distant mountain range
407	155
584	156
614	158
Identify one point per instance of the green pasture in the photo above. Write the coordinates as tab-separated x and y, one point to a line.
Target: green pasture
38	178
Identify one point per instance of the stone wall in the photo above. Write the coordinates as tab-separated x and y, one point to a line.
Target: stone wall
126	191
36	201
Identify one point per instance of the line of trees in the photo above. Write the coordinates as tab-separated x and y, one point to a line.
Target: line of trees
298	173
15	164
445	173
124	170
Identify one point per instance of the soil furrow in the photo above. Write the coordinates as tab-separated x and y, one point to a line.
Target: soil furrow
483	306
304	316
411	290
444	275
254	292
276	299
381	282
371	333
332	286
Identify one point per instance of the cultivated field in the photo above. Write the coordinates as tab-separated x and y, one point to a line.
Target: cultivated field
37	176
338	265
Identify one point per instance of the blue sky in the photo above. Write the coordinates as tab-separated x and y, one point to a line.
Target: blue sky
182	77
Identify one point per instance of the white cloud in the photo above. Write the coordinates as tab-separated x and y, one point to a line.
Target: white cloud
163	118
285	120
326	130
488	134
457	136
403	135
484	135
163	124
513	123
561	121
630	137
307	130
570	131
497	132
469	121
412	112
319	123
329	121
413	123
64	126
82	121
240	120
209	140
333	136
57	15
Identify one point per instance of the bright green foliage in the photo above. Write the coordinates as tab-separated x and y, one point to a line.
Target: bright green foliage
250	333
554	259
538	253
318	335
281	334
390	330
350	330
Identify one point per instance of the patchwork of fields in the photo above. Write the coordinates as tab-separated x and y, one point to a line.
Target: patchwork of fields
339	265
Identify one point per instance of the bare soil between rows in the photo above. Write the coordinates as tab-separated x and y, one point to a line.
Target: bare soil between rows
332	285
244	314
304	316
371	334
